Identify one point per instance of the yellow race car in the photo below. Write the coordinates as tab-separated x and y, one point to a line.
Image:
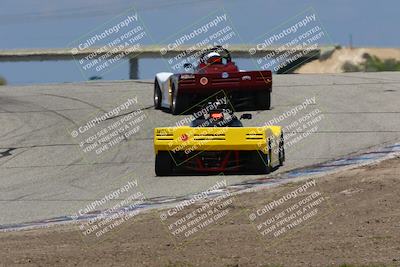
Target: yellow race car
217	142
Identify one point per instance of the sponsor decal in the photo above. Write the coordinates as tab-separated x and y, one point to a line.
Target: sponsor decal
184	137
203	80
187	76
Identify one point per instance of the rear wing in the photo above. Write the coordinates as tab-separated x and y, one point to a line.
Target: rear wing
190	139
239	80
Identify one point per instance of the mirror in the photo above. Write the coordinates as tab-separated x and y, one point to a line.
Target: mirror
246	116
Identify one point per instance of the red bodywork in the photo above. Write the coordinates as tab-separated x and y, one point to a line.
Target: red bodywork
221	166
212	161
213	78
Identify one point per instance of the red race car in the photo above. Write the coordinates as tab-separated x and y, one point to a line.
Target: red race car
215	72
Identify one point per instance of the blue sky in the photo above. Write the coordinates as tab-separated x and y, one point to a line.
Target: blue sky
50	23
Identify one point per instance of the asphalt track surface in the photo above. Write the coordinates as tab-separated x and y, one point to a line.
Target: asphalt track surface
44	173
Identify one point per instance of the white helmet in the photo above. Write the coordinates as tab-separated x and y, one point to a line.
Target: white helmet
213	57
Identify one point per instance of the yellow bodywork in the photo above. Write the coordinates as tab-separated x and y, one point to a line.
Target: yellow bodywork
190	139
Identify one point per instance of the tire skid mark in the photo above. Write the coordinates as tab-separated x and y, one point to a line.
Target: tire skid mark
12	156
6	152
76	99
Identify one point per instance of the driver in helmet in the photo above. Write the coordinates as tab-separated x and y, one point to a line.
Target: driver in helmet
213	58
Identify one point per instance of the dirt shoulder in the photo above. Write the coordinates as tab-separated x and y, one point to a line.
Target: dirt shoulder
335	62
350	217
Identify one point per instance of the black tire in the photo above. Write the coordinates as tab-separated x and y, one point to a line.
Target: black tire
261	163
281	151
164	163
157	95
263	100
268	161
179	102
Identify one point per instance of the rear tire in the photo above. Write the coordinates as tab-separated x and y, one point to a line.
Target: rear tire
163	163
179	102
281	151
263	100
157	95
260	163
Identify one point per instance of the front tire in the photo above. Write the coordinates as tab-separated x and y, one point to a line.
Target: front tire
164	163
